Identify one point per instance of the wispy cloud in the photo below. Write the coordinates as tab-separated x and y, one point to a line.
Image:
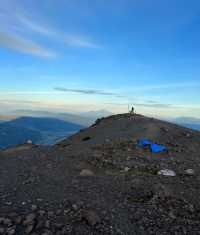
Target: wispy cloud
168	86
31	25
20	30
79	41
145	105
86	91
70	39
58	90
157	105
20	44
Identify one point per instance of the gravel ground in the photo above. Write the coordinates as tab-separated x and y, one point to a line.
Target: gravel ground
99	181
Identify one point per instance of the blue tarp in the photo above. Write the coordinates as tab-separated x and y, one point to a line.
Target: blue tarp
155	148
144	142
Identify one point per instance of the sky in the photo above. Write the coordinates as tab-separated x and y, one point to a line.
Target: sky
77	56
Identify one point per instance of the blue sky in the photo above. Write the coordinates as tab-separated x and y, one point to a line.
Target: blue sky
96	54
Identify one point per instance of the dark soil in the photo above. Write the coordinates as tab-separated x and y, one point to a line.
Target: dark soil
44	190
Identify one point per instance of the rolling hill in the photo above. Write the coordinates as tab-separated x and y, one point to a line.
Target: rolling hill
45	124
67	117
38	130
11	135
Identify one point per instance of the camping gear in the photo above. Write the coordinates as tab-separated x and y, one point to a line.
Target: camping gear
155	148
144	142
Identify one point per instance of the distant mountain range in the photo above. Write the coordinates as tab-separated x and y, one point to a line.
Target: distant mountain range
45	124
68	117
82	118
189	122
192	126
96	114
38	130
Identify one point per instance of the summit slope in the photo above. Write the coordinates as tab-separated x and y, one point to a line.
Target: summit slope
99	181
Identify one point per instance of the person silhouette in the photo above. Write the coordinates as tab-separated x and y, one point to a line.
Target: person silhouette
132	110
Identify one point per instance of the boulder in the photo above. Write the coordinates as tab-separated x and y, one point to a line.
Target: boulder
86	172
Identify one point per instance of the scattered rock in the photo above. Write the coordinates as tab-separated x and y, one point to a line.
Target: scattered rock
126	169
187	134
86	172
58	212
2	230
29	142
47	232
11	231
171	215
166	172
50	214
47	224
40	224
66	211
29	229
18	220
39	199
162	191
34	207
41	212
59	225
189	172
86	138
164	129
8	203
7	222
91	217
30	219
75	207
30	180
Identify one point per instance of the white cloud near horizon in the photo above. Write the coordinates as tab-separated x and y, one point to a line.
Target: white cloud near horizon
30	92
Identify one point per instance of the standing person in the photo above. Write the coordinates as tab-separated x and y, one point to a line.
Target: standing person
132	110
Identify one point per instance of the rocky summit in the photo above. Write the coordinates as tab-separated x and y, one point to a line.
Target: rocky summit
100	181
